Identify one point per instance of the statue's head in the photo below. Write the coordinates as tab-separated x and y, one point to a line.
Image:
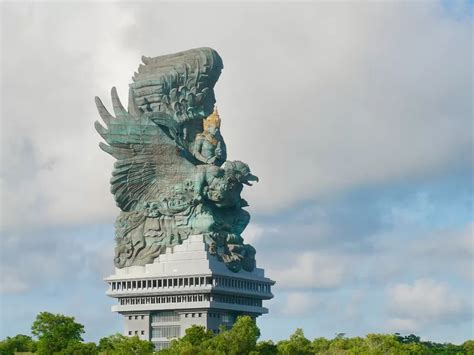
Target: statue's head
240	172
213	122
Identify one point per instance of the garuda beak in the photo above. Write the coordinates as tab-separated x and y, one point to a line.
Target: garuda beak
248	178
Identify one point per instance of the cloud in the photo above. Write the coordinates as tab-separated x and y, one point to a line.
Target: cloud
333	105
446	252
310	270
353	95
253	233
425	303
10	282
61	271
52	171
53	257
453	249
300	304
339	92
361	256
358	238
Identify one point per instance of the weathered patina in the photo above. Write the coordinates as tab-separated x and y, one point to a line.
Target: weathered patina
171	178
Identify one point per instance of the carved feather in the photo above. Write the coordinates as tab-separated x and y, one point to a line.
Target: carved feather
104	114
119	110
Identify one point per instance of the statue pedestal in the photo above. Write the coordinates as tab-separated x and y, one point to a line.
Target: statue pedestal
185	286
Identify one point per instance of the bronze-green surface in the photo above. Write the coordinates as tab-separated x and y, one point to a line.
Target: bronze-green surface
171	178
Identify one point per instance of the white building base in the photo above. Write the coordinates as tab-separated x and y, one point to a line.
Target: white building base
185	286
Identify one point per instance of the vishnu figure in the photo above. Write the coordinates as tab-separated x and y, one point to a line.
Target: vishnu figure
209	146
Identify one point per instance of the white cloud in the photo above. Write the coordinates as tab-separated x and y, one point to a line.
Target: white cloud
400	325
417	252
28	262
310	269
329	96
425	303
300	304
354	308
317	97
10	282
253	233
60	57
452	249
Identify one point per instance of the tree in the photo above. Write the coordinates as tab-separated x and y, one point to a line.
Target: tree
408	339
55	332
296	345
61	335
196	335
266	347
320	345
382	344
77	348
241	339
343	344
193	342
468	346
119	344
18	343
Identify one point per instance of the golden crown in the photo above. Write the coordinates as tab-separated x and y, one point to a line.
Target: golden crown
212	119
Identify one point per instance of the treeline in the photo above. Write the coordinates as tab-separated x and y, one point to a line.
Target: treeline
62	335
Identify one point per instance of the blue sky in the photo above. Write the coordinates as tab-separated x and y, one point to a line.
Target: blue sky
357	117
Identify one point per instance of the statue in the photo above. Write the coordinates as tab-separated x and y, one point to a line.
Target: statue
209	146
171	178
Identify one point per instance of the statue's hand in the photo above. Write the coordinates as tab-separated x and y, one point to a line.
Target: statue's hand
211	160
197	199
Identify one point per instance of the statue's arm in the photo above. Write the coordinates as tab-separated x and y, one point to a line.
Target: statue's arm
204	175
199	183
221	152
198	148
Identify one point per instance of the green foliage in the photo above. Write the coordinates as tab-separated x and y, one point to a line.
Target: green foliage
266	347
119	344
468	346
241	339
320	345
413	343
193	342
77	348
196	335
55	332
296	345
61	335
18	343
408	339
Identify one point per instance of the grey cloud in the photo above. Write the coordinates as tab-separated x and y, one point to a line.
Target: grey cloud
311	270
329	247
354	93
297	304
329	96
52	170
445	253
29	261
318	98
425	303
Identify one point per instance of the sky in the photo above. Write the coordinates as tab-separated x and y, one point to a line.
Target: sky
355	115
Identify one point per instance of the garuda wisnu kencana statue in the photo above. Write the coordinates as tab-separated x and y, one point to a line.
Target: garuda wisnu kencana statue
171	178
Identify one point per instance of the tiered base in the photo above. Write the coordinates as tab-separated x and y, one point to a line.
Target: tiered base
185	286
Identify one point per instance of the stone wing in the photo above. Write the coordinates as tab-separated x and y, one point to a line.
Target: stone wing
132	140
